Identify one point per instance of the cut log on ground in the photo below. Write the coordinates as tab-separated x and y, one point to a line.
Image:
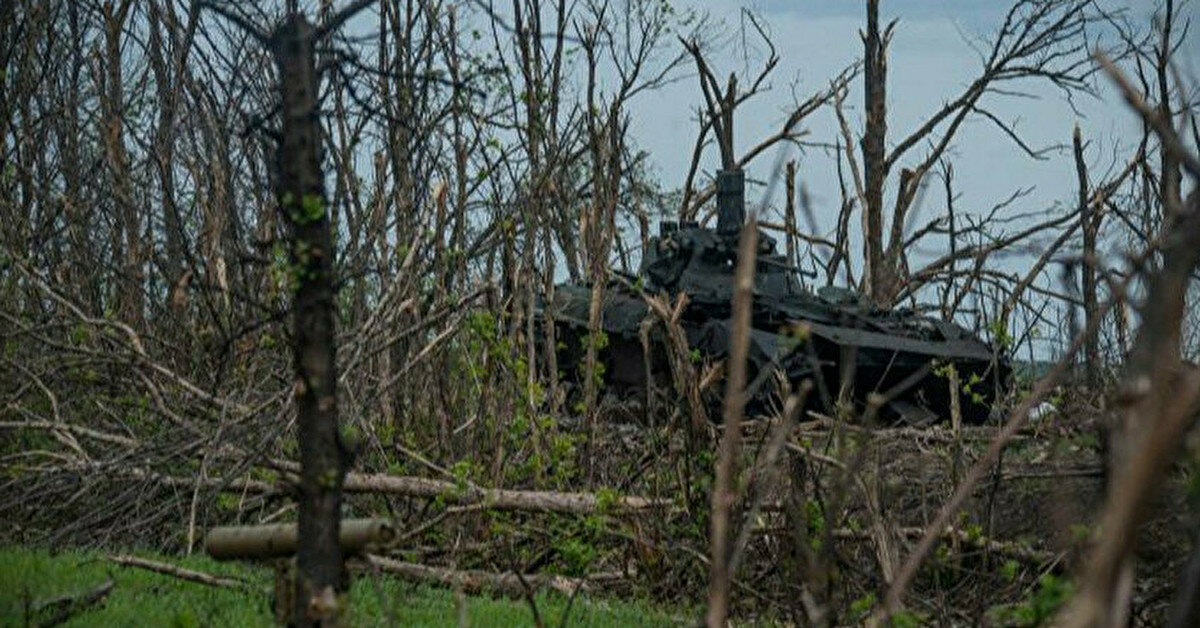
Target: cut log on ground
281	540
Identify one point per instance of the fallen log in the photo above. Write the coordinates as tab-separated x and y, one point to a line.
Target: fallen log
409	486
467	494
497	499
476	581
1011	549
234	485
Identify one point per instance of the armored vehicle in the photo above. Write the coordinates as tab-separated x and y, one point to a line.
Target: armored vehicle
834	337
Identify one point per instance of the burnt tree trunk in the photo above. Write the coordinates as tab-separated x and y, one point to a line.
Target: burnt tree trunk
320	576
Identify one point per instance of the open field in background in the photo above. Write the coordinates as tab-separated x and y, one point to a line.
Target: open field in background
141	598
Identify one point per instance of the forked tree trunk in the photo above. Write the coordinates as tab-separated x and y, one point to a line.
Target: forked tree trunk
320	576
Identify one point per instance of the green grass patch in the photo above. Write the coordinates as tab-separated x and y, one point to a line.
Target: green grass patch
143	598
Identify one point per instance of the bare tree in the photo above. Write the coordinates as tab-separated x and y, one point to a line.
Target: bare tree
1160	400
1039	40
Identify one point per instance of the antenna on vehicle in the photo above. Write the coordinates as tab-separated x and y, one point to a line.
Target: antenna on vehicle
731	201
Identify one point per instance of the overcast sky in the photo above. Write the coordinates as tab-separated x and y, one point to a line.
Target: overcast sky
930	62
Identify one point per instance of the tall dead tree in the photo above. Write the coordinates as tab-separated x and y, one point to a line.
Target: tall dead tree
323	457
166	75
1160	397
1089	222
627	43
717	116
127	233
1038	40
876	275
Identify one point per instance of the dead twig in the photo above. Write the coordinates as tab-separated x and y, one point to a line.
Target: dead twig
1012	426
68	606
475	581
496	499
178	572
724	489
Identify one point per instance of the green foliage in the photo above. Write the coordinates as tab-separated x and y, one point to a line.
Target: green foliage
814	516
284	277
860	610
310	209
905	618
496	373
1010	570
1074	443
600	339
290	446
606	499
1080	532
562	455
1088	441
1000	334
351	435
264	475
861	607
1190	470
1043	602
967	388
328	479
462	472
80	333
577	554
228	502
942	369
138	597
